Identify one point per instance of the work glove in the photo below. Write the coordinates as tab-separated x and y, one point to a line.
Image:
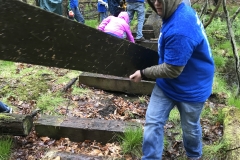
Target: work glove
106	5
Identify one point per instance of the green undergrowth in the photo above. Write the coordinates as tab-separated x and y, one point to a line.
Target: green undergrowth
131	141
5	147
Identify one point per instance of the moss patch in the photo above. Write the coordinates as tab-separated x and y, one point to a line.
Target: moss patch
232	132
5	116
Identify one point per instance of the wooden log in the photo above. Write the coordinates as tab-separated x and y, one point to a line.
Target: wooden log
81	129
15	124
231	132
114	83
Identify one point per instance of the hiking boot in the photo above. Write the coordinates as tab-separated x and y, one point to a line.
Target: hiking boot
140	39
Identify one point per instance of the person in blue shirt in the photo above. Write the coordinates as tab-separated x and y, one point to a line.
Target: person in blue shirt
102	9
73	5
4	108
137	6
184	78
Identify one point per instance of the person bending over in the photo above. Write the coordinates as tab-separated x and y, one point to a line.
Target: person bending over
117	26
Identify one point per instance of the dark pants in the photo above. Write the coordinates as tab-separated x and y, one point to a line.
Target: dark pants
77	15
4	107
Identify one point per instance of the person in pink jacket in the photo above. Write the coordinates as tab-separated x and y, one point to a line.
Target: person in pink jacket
117	26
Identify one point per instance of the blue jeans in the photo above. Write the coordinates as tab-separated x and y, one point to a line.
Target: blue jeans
157	114
77	15
140	9
114	35
103	15
4	107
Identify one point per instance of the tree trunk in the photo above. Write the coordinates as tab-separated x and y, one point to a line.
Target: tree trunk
15	124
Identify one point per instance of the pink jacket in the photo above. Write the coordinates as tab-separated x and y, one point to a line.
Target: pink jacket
117	25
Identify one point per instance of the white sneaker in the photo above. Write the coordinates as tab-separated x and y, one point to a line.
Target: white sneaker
10	110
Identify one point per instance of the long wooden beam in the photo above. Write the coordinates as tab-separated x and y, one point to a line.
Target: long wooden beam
31	35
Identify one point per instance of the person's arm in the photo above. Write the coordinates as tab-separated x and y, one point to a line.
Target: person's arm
104	23
158	71
129	33
163	71
101	2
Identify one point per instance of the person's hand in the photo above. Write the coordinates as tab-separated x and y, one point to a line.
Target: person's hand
136	77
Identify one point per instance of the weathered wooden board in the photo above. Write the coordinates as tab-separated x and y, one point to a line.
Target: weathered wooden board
54	154
118	84
80	129
31	35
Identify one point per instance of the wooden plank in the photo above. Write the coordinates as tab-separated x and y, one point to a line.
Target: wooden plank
80	129
151	44
31	35
52	154
113	83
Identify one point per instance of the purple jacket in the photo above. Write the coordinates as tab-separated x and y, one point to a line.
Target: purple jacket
117	25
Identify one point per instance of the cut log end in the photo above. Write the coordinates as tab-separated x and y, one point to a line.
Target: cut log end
15	124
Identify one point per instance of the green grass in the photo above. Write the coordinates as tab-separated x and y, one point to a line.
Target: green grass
80	91
49	102
219	60
219	84
234	102
217	150
174	116
131	141
92	23
5	147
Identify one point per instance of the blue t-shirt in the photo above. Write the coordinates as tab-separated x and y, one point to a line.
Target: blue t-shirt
102	8
132	1
73	3
183	42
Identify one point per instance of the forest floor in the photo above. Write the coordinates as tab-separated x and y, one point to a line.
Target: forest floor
100	104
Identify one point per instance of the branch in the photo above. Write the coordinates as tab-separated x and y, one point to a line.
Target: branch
213	14
203	9
69	84
235	15
195	2
233	43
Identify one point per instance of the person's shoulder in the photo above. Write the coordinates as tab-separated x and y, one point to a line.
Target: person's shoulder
184	22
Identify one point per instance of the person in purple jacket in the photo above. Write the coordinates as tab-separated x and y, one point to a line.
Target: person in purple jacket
184	78
117	26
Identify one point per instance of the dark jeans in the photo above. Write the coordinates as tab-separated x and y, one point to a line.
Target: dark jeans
77	15
4	107
114	35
